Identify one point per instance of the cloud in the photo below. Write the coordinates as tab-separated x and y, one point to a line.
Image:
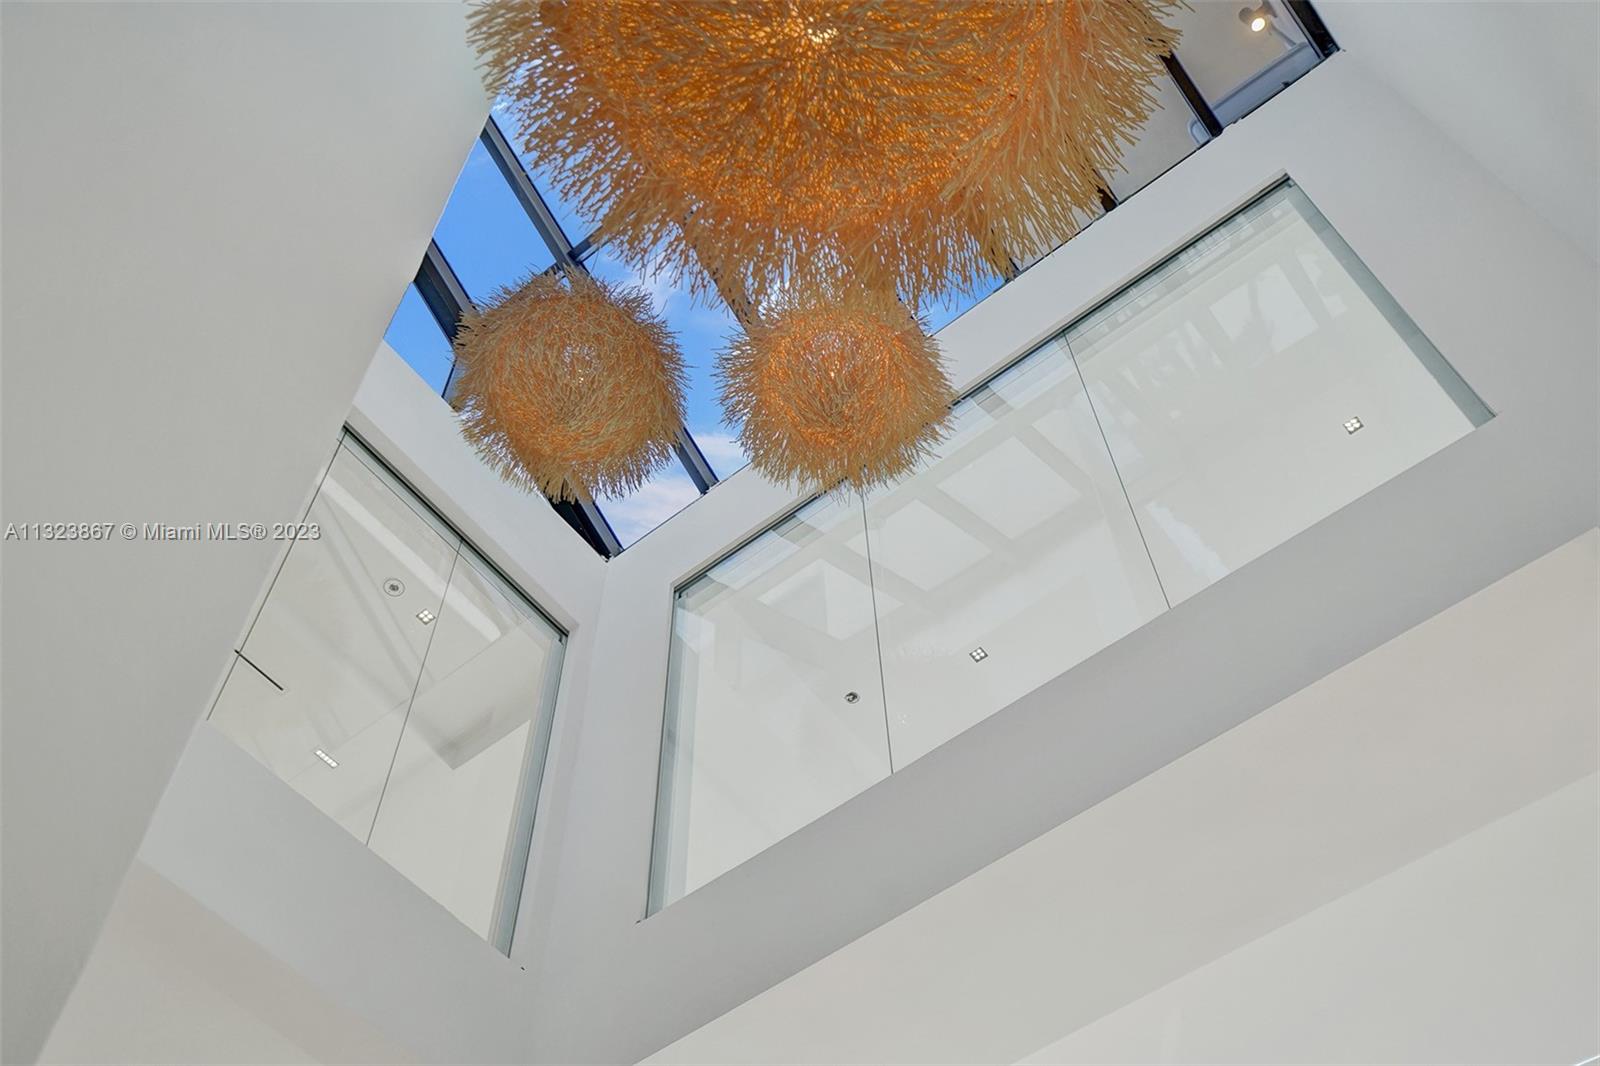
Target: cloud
721	450
633	516
660	290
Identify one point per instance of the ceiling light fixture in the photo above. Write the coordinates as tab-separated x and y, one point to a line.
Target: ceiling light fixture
826	391
570	386
325	757
761	145
426	616
1352	424
1257	18
978	654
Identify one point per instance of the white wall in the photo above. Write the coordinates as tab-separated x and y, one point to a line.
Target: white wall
170	982
1511	81
294	883
418	435
1395	864
1480	952
1504	296
209	213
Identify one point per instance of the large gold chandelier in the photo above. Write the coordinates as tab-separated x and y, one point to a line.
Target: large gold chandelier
770	145
845	390
569	386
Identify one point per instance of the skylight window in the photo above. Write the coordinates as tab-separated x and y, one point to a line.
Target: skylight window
664	495
701	327
485	233
416	336
575	224
506	218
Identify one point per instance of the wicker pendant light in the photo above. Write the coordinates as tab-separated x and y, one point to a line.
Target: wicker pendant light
910	145
570	386
839	390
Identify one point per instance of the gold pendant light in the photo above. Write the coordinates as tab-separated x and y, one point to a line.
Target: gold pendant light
570	386
838	390
912	146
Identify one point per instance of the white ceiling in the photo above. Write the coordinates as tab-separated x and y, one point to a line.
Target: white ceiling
1512	81
171	982
210	210
1297	820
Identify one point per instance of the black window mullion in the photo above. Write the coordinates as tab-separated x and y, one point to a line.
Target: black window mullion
442	291
590	523
1192	95
693	460
1315	30
447	300
571	256
516	175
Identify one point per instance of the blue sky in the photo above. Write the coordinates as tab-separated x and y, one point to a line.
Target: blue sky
490	242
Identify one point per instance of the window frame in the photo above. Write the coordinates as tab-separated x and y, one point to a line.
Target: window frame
447	298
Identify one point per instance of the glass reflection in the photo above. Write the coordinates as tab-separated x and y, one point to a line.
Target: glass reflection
1235	67
1224	379
1008	560
775	705
1247	387
1167	136
340	643
449	819
396	682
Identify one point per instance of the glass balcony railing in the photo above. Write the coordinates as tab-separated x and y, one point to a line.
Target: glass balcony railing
1244	389
397	682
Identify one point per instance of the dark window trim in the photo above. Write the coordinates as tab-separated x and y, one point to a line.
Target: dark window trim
1315	29
447	300
571	256
1192	96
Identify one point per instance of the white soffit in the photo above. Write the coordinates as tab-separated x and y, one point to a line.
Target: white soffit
1475	714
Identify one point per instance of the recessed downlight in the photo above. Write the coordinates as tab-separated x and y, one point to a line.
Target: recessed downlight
1352	424
426	616
978	654
1257	18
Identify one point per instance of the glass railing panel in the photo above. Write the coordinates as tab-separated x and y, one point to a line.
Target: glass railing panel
1257	382
396	681
450	815
341	636
1247	387
1007	560
774	704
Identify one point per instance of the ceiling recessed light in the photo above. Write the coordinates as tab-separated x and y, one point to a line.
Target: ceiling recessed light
325	757
425	616
1257	17
1352	424
978	655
